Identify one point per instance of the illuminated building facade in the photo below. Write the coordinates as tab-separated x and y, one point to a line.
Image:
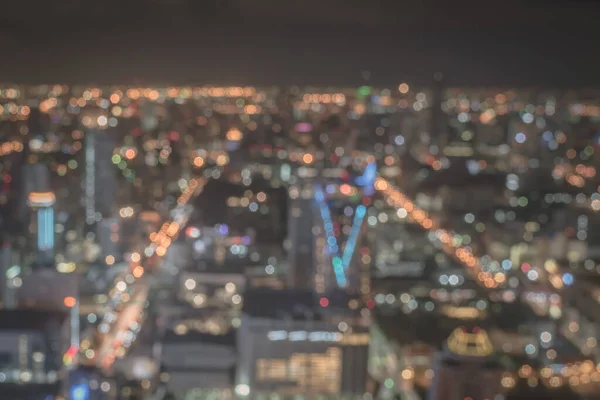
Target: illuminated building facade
43	225
465	369
299	355
32	343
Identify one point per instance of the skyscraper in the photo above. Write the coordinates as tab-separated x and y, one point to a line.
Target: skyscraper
99	178
302	241
465	369
43	225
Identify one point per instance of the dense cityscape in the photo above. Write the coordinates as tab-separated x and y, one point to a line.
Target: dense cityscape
244	242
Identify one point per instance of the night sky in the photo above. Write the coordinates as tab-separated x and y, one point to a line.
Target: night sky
321	42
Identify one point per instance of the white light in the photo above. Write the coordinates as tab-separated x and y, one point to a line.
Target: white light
242	390
453	280
546	337
190	284
230	287
277	335
532	275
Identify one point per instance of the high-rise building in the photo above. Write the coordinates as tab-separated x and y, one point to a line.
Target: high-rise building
35	178
42	204
7	273
465	369
106	180
198	360
32	344
285	348
439	128
301	240
99	178
107	237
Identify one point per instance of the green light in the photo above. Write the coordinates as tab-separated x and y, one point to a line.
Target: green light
122	164
523	201
389	383
364	90
72	164
116	159
13	272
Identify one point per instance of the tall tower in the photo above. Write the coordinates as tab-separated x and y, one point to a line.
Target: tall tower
99	178
42	204
301	255
89	182
439	128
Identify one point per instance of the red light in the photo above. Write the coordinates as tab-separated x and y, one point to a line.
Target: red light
370	304
72	351
174	136
324	302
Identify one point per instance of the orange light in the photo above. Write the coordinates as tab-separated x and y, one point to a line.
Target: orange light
198	161
161	251
130	154
138	271
70	301
307	158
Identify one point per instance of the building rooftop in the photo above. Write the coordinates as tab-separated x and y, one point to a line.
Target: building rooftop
30	319
171	337
270	303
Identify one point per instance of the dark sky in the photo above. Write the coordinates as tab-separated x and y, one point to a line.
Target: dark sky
509	42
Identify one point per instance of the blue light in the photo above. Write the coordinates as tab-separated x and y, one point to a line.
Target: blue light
223	230
568	279
332	246
80	392
340	264
368	178
45	228
338	269
359	216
